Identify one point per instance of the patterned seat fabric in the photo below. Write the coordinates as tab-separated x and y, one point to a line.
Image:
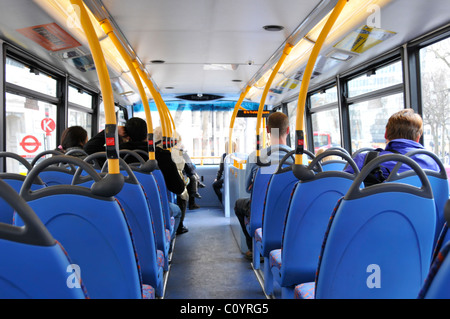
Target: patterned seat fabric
167	236
433	270
148	292
258	235
275	258
160	258
305	291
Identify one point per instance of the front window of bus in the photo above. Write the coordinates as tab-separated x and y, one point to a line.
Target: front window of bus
204	128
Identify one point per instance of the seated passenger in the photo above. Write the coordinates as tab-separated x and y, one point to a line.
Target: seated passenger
134	136
278	128
218	182
402	135
73	138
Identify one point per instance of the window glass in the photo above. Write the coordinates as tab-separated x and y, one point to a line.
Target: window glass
324	97
326	129
368	120
435	79
383	77
79	97
30	128
204	129
20	74
292	114
79	118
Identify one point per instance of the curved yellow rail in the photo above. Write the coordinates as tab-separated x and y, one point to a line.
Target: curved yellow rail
156	97
112	145
233	118
287	49
300	141
106	26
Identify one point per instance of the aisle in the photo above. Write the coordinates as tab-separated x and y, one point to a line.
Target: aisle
207	263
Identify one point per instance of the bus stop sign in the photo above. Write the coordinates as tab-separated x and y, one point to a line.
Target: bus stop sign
48	126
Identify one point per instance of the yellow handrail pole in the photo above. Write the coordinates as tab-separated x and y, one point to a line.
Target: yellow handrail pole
233	117
307	77
169	119
154	93
106	26
287	49
112	145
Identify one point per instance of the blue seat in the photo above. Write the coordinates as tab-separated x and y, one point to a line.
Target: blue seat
309	211
136	205
333	165
258	199
15	180
169	221
379	241
55	174
32	264
143	173
438	181
270	196
437	283
92	227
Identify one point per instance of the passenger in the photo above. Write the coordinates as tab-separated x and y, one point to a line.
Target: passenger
218	182
179	160
326	158
278	128
73	138
134	136
402	135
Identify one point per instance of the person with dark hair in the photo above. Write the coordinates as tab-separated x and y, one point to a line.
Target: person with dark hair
218	182
278	129
403	131
73	138
134	136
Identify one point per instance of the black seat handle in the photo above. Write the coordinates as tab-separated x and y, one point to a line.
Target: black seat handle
356	192
41	154
144	166
22	161
394	175
281	169
106	186
281	148
337	152
34	232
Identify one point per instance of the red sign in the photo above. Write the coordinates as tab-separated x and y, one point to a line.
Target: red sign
48	126
30	144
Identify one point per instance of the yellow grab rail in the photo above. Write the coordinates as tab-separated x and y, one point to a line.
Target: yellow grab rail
287	49
106	26
157	99
300	140
233	118
111	134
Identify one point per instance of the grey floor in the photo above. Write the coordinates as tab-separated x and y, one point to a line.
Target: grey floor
207	263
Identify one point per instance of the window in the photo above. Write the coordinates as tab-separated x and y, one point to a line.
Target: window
80	109
435	79
326	129
374	80
78	97
324	97
29	78
30	128
373	98
368	120
204	128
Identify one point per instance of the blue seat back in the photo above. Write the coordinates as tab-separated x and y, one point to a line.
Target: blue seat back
32	263
278	196
309	212
333	165
258	195
135	204
438	281
159	178
438	181
93	229
379	242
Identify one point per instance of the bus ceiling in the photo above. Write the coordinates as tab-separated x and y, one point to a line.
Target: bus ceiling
197	48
